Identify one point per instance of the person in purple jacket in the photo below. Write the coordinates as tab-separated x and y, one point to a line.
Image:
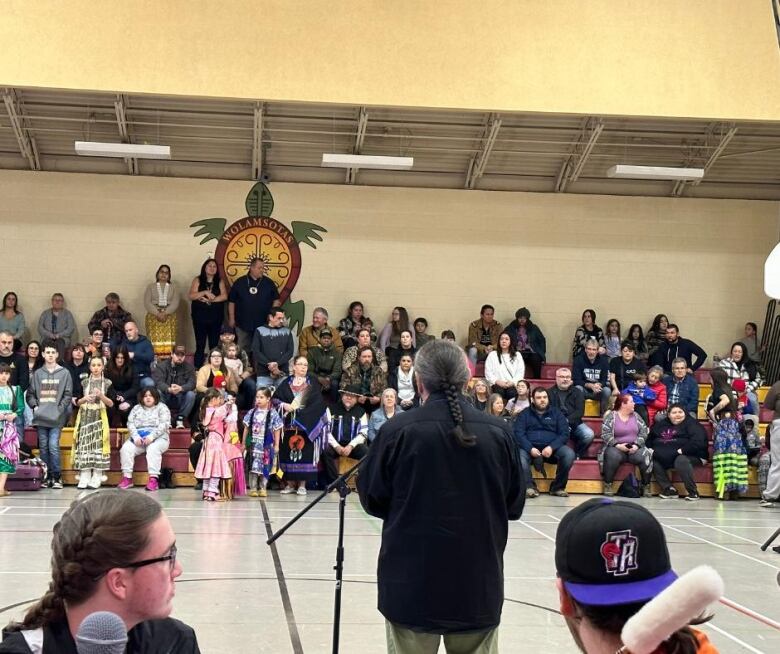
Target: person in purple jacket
541	433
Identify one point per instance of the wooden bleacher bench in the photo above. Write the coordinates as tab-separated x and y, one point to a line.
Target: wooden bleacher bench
585	476
177	457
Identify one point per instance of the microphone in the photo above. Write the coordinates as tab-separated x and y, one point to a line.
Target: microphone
672	609
102	632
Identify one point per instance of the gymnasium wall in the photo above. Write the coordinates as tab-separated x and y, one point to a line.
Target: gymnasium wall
441	253
698	58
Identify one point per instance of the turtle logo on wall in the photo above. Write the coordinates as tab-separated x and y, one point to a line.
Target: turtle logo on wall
257	235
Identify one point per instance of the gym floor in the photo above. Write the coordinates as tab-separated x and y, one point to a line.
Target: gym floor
241	597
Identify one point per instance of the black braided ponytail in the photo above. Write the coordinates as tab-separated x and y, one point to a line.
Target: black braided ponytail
106	530
441	367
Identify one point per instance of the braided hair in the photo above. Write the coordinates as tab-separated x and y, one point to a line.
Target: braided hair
103	531
441	367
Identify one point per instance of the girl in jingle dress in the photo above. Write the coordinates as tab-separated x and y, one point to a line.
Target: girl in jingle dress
11	401
91	444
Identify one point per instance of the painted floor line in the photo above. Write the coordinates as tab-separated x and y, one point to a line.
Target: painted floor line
722	547
733	638
538	531
723	531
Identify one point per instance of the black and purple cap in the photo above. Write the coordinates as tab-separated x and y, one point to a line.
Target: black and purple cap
612	552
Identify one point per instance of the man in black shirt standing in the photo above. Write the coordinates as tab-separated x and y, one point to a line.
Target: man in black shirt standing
250	301
446	479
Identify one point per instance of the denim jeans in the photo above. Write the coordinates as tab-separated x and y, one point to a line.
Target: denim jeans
49	444
180	404
583	436
564	456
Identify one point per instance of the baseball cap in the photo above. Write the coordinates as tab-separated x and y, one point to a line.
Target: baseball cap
612	552
351	389
325	331
227	329
179	349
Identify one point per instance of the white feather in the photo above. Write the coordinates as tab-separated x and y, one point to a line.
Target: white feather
672	609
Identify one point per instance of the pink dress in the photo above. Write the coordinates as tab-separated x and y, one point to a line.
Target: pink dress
213	461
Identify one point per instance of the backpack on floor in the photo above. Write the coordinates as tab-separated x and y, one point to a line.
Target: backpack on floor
166	478
630	487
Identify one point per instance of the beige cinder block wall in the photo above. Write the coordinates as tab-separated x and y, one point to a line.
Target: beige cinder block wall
440	253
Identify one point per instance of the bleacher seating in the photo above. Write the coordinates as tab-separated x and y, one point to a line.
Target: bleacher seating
585	476
177	457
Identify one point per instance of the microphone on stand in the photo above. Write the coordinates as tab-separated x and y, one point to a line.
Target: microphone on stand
672	609
102	632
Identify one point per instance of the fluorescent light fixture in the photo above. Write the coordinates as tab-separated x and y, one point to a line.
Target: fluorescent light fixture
772	273
624	171
366	161
124	150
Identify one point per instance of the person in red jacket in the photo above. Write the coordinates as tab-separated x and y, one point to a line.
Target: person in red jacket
654	383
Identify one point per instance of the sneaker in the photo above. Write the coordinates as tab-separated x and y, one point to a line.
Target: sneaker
127	482
692	497
287	490
85	476
153	484
531	492
262	493
767	503
608	489
253	493
57	484
647	491
179	423
49	483
97	479
301	490
669	493
559	493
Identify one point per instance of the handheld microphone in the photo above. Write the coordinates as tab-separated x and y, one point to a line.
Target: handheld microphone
672	609
102	632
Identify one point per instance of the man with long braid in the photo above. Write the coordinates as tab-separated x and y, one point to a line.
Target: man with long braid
446	479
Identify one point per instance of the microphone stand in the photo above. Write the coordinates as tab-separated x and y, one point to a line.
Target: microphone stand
339	484
770	541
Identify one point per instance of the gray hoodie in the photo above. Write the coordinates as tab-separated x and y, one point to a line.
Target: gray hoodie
49	396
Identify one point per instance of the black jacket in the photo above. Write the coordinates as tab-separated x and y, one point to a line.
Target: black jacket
571	402
445	510
665	439
167	373
536	338
150	637
684	348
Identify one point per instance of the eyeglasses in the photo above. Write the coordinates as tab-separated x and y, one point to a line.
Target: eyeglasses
171	556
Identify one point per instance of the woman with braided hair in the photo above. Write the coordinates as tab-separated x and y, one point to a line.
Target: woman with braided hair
446	479
112	551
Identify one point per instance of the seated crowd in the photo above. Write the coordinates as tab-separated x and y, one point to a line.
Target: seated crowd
327	395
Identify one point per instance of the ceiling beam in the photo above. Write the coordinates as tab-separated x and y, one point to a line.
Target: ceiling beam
120	107
360	137
724	132
573	166
257	140
479	161
26	142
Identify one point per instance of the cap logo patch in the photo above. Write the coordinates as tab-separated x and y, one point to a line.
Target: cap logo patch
619	552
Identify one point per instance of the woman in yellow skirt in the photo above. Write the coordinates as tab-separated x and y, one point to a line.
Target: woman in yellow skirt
161	300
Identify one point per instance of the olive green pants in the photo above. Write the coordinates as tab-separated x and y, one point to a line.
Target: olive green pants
406	641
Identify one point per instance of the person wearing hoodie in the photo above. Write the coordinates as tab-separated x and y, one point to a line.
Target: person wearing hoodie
531	343
148	426
49	394
676	346
541	433
678	441
141	354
